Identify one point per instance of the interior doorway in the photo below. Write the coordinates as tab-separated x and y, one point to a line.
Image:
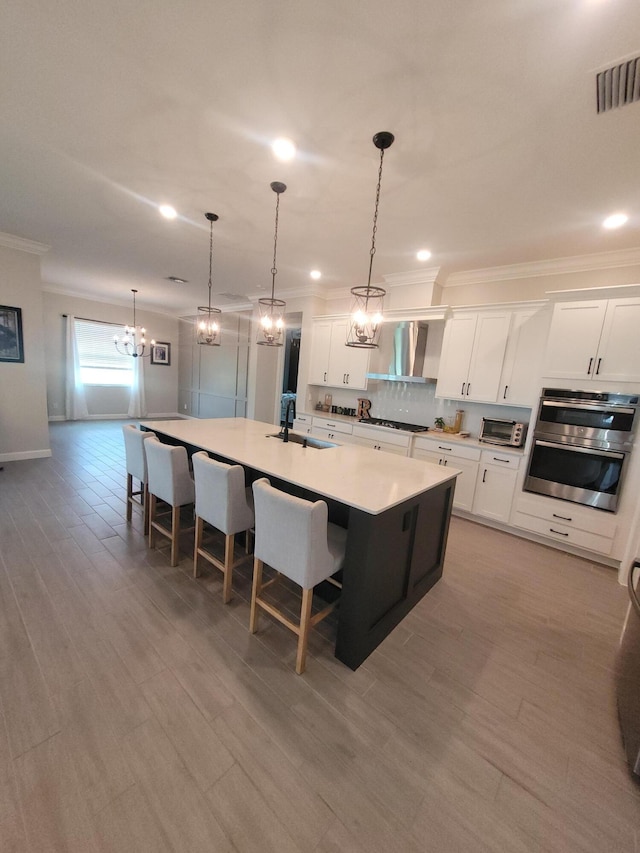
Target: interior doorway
290	369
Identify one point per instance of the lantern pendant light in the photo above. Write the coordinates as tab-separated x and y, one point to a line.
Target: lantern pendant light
208	325
133	342
366	310
271	322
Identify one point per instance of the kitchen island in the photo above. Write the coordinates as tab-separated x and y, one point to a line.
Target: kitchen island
396	511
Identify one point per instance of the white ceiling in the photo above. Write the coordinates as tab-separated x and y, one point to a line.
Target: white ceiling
109	109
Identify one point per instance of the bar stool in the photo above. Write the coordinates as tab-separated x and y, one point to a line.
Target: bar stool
223	502
136	465
171	482
294	537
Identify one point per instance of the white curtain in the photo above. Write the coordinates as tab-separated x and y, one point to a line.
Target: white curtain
75	400
137	400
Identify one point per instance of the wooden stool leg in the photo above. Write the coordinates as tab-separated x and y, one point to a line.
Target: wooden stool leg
175	534
129	495
145	506
197	544
305	625
255	591
152	515
229	541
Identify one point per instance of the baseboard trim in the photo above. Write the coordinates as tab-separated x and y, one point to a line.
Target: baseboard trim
24	454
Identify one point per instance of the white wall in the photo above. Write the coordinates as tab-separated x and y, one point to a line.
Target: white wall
24	432
161	381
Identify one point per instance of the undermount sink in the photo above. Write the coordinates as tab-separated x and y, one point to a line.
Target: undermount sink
304	440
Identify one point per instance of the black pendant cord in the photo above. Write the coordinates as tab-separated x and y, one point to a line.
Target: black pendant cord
372	251
274	269
210	262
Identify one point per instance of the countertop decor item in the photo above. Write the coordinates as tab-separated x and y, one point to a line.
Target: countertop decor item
208	326
366	312
271	326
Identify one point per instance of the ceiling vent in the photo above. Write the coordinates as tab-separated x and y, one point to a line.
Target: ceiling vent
618	85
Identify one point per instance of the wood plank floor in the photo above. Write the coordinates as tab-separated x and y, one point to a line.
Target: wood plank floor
138	713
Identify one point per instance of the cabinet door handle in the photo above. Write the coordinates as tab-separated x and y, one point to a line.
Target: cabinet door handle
598	366
562	517
484	476
462	389
325	376
558	532
504	396
468	388
444	462
348	376
589	368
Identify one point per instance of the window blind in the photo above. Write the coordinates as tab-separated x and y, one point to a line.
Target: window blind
100	362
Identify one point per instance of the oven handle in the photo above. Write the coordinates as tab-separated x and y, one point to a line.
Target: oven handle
589	407
608	454
633	595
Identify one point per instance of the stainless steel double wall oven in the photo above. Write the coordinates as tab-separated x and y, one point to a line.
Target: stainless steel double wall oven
581	445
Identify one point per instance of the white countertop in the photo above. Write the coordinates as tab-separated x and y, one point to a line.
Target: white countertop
370	480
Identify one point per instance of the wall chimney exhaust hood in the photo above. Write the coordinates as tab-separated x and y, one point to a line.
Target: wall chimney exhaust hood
401	352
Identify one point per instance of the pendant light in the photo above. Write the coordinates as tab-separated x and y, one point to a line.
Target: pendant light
366	310
133	342
271	324
208	325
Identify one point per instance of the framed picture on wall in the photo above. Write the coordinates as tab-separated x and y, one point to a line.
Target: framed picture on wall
11	345
161	353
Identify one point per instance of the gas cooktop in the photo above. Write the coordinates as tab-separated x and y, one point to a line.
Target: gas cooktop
394	424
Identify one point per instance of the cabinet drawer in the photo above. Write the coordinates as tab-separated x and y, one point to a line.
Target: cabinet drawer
332	425
563	533
569	515
300	425
304	419
502	460
440	446
382	436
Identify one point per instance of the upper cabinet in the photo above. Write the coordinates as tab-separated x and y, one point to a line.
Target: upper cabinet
333	363
595	340
493	356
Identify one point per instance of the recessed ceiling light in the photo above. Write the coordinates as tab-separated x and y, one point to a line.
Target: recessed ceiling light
315	274
176	279
283	149
423	255
615	220
167	211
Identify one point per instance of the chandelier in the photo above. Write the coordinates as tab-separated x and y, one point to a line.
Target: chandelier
208	327
133	342
366	310
271	323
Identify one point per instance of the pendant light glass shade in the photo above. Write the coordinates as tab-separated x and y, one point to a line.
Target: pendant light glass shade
367	302
208	322
271	310
133	342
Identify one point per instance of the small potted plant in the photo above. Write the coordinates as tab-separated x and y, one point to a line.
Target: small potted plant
439	424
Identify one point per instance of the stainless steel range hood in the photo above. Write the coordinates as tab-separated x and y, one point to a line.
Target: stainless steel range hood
400	356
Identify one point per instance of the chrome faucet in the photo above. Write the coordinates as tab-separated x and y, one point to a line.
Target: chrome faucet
290	403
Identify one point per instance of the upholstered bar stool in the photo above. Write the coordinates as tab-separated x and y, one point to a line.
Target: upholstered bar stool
294	537
223	502
136	464
169	480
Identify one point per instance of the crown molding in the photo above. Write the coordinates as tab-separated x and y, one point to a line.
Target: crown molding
555	266
424	276
10	241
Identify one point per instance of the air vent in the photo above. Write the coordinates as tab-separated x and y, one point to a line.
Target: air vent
618	85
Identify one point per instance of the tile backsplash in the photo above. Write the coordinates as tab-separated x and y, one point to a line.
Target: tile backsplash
416	403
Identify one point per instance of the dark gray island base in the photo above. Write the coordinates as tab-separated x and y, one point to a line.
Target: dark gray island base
393	557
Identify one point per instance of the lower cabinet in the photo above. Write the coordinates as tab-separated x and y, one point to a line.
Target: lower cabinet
495	485
331	429
303	423
455	455
562	521
381	439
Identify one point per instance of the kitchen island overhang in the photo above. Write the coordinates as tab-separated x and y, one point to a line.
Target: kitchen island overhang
396	511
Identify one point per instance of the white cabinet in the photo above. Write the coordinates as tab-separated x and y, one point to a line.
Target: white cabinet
331	429
524	356
333	363
381	439
302	423
595	339
473	356
495	484
454	455
565	522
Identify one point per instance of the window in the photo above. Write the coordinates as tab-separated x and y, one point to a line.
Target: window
100	362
